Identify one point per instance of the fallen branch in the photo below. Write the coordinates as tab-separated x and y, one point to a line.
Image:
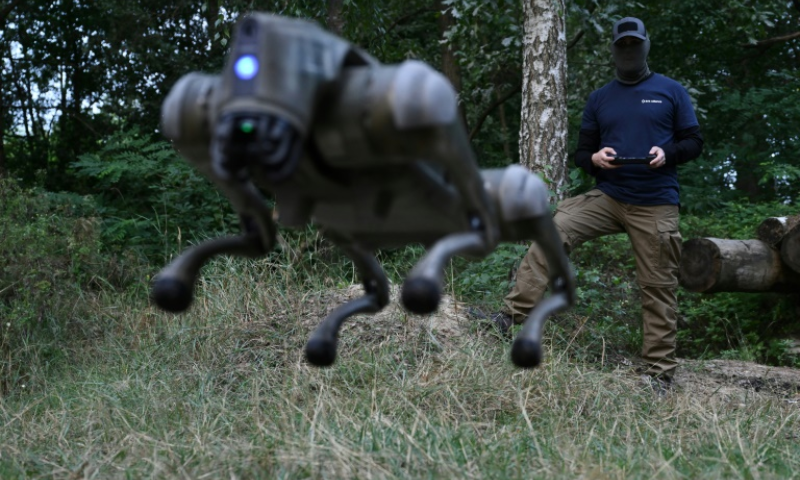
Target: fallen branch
766	43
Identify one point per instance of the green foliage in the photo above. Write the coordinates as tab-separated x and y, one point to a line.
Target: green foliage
486	38
150	198
579	182
737	220
696	196
45	240
752	327
755	153
50	263
486	282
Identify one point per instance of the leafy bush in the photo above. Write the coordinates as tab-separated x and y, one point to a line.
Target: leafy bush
487	281
732	220
49	266
149	198
46	240
741	326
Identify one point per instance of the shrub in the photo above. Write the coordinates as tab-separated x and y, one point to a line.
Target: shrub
151	199
50	263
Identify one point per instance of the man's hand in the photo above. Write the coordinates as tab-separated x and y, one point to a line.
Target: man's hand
601	158
660	159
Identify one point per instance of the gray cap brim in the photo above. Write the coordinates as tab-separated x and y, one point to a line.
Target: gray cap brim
630	34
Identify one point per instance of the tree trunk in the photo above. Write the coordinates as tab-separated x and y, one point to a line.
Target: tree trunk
450	67
747	179
543	126
773	229
710	265
790	248
335	18
503	126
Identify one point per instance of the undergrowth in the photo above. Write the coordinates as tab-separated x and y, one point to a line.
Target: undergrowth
223	391
97	383
55	266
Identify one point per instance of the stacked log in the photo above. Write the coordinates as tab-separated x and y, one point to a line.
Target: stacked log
770	263
773	229
790	248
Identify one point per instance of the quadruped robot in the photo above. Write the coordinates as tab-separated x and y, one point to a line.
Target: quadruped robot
375	155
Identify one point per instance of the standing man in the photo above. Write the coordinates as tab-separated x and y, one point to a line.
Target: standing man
637	114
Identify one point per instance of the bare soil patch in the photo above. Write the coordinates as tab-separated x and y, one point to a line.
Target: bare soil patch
735	380
447	325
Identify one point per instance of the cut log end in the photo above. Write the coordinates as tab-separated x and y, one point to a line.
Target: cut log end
772	230
700	264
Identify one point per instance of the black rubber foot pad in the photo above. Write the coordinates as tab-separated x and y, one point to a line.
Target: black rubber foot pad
421	295
171	295
321	353
526	353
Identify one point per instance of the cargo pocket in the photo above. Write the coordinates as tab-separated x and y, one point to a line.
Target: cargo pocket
669	247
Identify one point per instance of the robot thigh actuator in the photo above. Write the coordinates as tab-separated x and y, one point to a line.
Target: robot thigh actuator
373	154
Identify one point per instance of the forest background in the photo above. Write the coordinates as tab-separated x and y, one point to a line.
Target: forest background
93	201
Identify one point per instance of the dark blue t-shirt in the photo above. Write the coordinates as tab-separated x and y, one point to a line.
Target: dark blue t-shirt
632	119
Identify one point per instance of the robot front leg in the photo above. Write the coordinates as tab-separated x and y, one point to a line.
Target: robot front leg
321	347
521	199
422	289
173	287
526	352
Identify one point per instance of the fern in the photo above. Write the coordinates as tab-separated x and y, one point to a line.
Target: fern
148	194
128	157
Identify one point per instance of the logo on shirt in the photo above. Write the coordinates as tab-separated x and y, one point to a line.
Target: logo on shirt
651	101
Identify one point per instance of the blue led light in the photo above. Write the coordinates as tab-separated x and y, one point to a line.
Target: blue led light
246	67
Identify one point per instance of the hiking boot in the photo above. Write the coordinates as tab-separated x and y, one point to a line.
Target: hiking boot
661	386
501	321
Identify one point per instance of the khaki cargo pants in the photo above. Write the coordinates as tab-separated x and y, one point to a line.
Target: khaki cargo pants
656	242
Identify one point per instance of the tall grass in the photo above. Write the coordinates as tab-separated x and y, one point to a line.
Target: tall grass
223	392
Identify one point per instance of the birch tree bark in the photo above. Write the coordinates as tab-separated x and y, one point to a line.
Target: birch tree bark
543	126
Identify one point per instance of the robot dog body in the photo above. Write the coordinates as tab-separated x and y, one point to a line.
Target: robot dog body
374	154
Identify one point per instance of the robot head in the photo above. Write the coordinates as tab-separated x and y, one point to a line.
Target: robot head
258	112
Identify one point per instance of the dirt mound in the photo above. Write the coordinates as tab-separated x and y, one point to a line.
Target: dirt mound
721	380
734	380
447	324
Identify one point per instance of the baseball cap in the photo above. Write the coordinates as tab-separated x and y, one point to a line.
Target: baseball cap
629	27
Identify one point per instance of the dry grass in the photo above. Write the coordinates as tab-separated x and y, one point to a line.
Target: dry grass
223	392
